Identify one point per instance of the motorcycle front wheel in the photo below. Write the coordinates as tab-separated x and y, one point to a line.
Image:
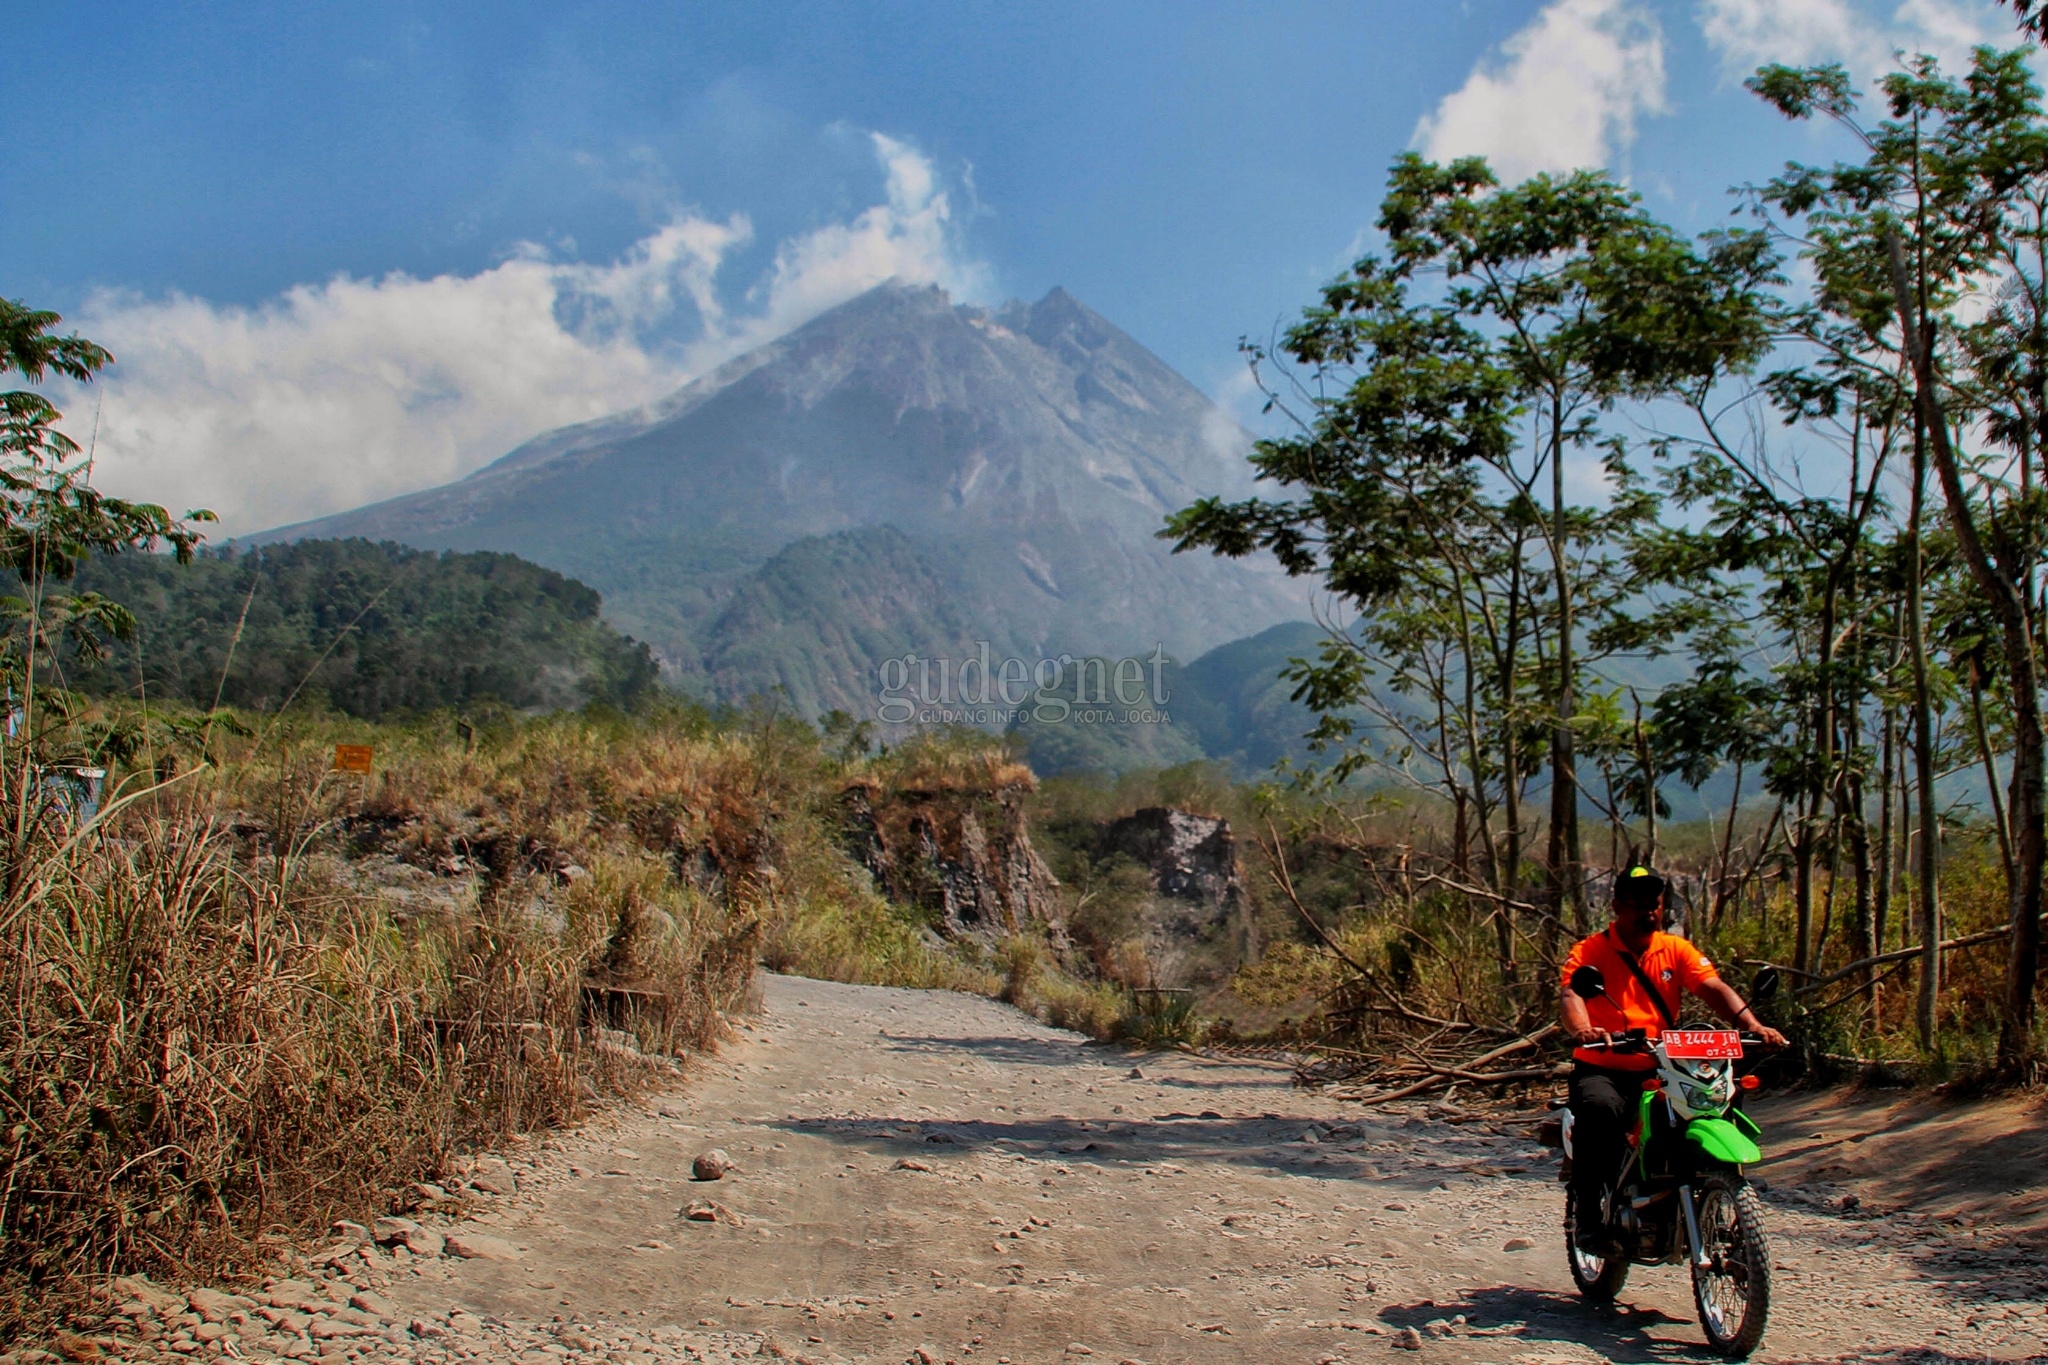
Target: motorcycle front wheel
1599	1278
1733	1290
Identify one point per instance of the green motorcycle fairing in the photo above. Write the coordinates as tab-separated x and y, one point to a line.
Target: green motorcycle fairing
1723	1141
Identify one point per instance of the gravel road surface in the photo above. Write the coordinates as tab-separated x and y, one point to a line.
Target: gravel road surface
931	1177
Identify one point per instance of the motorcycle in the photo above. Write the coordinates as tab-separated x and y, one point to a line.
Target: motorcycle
1681	1198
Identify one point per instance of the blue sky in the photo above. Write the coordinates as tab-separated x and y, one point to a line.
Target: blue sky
343	252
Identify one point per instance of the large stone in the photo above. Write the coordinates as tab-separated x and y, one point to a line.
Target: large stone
420	1241
706	1211
390	1230
476	1246
375	1304
712	1165
493	1176
1191	858
960	850
330	1255
1197	889
139	1288
215	1306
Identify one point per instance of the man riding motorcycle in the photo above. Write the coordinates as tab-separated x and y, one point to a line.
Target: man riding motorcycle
1645	970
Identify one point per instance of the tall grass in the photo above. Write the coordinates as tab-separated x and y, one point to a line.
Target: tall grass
265	995
256	994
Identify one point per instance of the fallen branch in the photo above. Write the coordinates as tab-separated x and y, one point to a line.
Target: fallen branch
1901	954
1453	1076
1481	893
1430	1083
1530	1040
1468	1072
1413	1017
1527	1073
1856	991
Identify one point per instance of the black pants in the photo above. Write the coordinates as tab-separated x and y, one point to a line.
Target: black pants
1603	1101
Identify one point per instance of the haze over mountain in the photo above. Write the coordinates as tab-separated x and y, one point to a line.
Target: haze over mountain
899	474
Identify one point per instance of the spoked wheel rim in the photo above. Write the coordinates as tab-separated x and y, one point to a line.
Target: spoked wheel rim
1733	1289
1586	1263
1599	1277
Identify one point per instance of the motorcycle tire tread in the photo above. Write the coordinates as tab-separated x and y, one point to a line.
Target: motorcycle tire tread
1749	1209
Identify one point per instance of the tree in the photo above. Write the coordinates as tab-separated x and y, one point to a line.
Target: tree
1932	257
52	518
2033	18
1450	384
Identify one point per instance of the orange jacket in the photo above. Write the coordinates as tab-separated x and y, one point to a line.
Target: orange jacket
1673	964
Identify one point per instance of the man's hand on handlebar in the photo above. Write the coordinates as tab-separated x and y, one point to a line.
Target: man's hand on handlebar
1770	1037
1629	1040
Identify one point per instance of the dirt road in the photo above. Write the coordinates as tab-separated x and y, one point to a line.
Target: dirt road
935	1173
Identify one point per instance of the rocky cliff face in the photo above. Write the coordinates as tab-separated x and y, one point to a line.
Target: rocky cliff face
966	856
1197	917
1192	858
1027	456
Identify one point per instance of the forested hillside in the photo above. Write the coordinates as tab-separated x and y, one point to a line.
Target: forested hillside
364	628
1234	705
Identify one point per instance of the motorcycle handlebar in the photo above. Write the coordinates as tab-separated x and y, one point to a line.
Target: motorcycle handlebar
1638	1040
1635	1040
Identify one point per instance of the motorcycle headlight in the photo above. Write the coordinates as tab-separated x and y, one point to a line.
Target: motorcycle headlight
1709	1089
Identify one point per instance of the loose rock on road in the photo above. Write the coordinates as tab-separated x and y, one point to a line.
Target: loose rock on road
921	1176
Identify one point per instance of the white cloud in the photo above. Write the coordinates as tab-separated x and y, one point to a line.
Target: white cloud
336	394
909	237
1562	93
1861	35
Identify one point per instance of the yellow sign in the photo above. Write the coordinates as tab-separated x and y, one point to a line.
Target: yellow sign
352	758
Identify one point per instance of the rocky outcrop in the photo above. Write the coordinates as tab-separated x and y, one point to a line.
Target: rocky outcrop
1196	923
964	855
1192	858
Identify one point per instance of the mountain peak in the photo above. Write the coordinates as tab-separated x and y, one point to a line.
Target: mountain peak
1031	453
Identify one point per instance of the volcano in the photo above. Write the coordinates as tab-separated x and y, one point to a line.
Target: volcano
901	474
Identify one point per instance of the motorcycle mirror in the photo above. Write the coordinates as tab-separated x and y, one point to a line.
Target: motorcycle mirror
1588	983
1764	985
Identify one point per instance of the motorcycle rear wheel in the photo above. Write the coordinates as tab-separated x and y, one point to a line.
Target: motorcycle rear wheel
1599	1278
1733	1292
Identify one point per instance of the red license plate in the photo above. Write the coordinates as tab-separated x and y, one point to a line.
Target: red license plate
1701	1044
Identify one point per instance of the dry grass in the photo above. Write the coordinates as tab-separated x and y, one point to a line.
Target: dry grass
262	995
1431	953
267	995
